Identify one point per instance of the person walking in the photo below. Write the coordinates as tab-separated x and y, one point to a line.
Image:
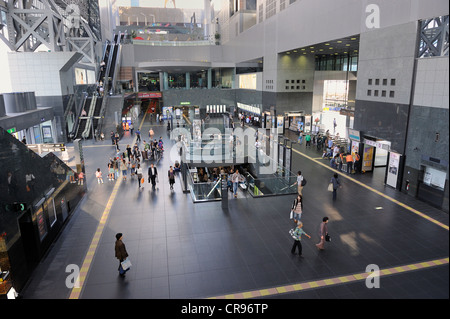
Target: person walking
98	174
171	175
139	175
299	182
297	239
308	140
336	184
138	136
121	253
235	180
323	232
297	208
152	175
124	169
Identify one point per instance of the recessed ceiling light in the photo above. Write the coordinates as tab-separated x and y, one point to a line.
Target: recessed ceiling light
295	50
312	51
347	45
311	47
303	49
339	41
320	49
352	38
327	44
345	52
330	48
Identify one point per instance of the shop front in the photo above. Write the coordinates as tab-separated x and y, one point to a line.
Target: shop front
378	157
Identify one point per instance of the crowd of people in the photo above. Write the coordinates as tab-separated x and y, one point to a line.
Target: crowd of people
130	160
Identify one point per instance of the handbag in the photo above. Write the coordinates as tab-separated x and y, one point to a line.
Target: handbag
291	232
126	264
330	187
327	237
291	215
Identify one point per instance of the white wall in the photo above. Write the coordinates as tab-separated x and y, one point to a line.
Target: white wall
37	72
432	82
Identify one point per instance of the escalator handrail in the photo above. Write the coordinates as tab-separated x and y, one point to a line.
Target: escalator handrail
74	132
87	128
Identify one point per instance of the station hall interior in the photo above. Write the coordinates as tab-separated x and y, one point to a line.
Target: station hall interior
199	90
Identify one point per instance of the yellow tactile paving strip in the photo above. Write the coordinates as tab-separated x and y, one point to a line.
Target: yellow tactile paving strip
331	281
415	211
76	291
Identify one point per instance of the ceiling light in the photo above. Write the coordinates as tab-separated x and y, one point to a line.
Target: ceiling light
311	47
327	44
295	50
303	49
339	41
352	38
347	45
330	48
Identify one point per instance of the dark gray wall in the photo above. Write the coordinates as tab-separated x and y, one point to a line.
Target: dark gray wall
383	120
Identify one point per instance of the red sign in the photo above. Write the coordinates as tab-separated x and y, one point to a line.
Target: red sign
149	95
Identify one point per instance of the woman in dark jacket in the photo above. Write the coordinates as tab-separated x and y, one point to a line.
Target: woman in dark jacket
121	253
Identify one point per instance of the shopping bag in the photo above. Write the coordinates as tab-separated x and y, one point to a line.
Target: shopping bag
126	264
291	215
142	180
330	187
291	232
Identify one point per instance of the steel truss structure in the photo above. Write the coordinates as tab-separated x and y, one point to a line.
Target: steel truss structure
433	37
59	25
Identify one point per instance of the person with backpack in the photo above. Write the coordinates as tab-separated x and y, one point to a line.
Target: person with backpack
301	181
171	175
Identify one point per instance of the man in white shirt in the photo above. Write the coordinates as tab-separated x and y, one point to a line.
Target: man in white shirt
299	182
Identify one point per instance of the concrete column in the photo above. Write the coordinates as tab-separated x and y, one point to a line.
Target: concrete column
188	80
209	78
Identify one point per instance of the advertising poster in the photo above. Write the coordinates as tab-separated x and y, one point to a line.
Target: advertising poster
80	76
40	220
280	122
367	158
393	166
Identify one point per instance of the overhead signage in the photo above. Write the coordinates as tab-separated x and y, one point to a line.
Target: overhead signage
377	144
147	95
11	130
354	135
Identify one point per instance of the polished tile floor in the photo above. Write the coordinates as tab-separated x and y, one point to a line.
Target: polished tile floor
182	250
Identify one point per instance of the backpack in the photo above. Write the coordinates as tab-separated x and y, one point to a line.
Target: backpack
303	181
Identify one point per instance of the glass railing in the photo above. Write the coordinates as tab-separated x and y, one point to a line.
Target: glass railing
204	191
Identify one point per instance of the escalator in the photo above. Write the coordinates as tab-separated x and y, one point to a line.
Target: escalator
82	121
97	110
106	76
